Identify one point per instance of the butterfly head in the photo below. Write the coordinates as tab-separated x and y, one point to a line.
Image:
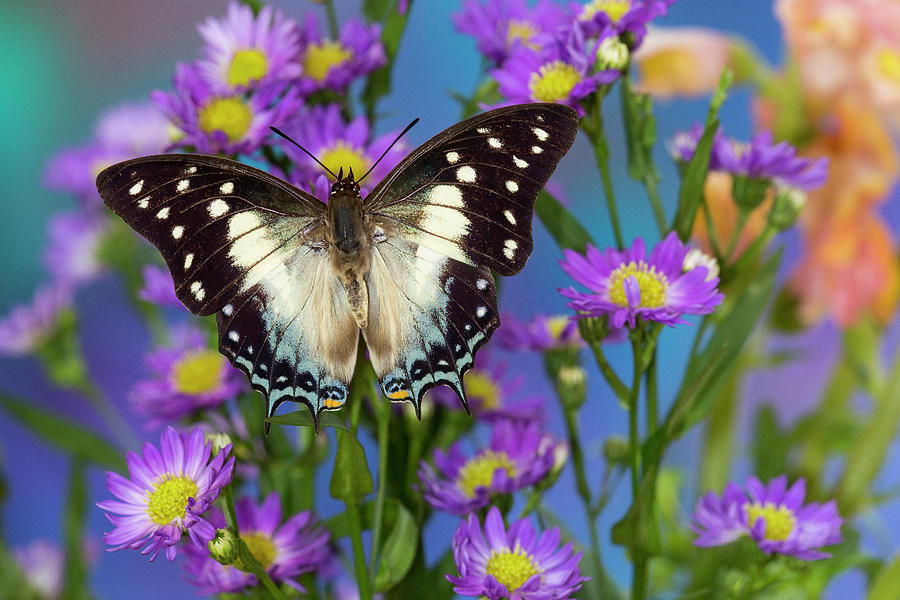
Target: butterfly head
343	184
345	216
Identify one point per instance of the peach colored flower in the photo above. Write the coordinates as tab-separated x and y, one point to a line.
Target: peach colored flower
682	61
850	270
723	212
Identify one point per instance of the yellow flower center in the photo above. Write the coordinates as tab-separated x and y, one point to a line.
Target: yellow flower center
479	471
614	9
889	64
320	58
556	325
228	115
480	385
198	372
653	285
247	66
521	31
779	519
168	501
512	568
261	547
553	81
343	155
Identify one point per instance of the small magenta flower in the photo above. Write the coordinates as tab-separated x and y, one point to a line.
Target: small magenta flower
518	456
229	122
71	253
625	18
514	563
169	490
27	325
561	70
43	564
338	145
499	26
244	51
760	159
188	376
333	64
629	284
541	333
284	548
773	515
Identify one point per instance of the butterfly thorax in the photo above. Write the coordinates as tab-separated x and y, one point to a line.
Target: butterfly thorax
350	245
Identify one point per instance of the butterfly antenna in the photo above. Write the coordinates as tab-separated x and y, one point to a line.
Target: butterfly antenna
308	153
397	139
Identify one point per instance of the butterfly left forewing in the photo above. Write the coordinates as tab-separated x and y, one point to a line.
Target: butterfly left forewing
459	205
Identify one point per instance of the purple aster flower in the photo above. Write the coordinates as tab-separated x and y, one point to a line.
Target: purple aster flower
188	376
499	26
628	284
43	564
243	50
285	548
27	325
562	70
158	287
518	456
169	490
618	17
490	392
224	123
773	515
322	131
123	132
513	563
760	159
333	64
541	333
71	254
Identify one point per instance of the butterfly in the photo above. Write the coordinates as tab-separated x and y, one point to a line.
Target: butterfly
293	281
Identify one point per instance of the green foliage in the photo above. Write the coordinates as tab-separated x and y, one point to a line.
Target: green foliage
351	480
562	225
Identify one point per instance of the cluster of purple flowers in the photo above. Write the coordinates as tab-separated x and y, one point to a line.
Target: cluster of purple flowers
256	71
554	53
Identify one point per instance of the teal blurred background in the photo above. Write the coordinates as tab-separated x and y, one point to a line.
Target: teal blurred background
66	62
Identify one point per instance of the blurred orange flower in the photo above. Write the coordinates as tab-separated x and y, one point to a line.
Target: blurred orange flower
682	61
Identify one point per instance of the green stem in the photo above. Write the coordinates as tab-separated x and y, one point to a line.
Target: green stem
739	225
593	126
330	14
652	400
113	418
633	432
621	390
656	204
383	414
359	554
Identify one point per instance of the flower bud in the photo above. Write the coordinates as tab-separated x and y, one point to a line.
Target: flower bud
224	547
612	54
219	441
788	204
698	258
616	449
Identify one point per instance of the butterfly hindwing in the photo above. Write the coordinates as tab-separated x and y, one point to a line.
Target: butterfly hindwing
248	248
469	192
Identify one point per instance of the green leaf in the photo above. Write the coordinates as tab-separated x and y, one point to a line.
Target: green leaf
303	418
638	529
691	192
770	448
565	228
886	585
640	132
351	480
339	528
399	550
75	584
67	436
379	81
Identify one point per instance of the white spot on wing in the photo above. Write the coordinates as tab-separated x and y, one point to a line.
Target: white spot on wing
163	213
198	291
481	311
509	216
537	149
241	223
481	284
136	188
448	195
233	336
217	208
512	186
188	260
227	187
144	202
540	133
177	232
482	130
190	170
183	185
465	174
195	286
519	162
509	249
494	143
227	310
452	157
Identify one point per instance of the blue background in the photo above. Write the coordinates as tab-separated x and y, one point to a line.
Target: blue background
65	63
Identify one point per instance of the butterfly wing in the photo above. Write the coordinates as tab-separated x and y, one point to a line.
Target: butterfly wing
247	246
454	209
